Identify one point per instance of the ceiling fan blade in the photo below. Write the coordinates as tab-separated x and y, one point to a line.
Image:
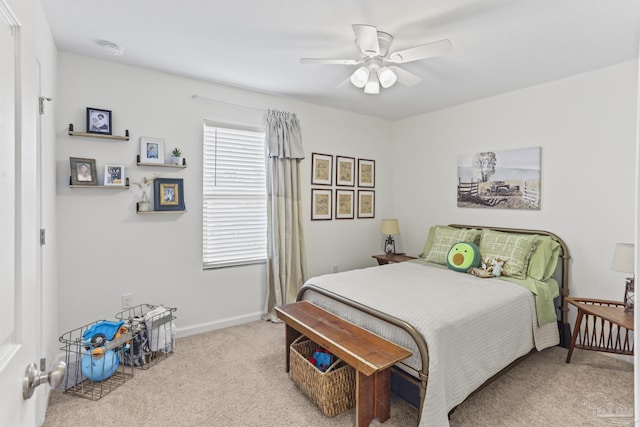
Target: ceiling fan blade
367	39
429	50
330	61
405	77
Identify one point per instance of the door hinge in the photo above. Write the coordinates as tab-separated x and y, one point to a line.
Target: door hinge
42	99
42	237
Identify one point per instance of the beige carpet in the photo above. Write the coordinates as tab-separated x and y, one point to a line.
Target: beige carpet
235	377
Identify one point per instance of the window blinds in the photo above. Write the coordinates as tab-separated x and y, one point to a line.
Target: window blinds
234	197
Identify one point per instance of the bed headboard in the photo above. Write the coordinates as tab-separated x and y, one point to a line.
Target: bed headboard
561	274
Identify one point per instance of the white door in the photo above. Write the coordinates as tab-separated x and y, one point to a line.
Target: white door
19	310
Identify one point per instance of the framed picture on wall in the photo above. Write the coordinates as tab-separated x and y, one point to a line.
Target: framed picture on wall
366	173
83	171
321	169
345	171
168	194
151	150
98	121
320	204
344	204
366	204
114	175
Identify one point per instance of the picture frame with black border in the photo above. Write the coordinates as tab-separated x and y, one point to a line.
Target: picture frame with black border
98	121
366	204
168	194
114	175
151	150
321	169
344	204
321	201
345	171
366	173
83	171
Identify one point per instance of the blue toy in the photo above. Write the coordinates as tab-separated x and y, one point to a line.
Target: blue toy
105	328
100	368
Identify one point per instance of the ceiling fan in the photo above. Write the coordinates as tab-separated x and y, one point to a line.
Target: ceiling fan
377	62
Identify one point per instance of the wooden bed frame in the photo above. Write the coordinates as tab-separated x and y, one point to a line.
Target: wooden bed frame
561	275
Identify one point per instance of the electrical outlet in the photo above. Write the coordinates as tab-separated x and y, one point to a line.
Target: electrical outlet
127	300
334	268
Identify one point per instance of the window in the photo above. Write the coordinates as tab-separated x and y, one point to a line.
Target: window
234	194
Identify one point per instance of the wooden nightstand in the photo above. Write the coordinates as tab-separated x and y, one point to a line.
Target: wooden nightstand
601	325
387	258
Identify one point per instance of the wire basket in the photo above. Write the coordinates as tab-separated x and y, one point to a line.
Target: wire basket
333	391
93	359
153	334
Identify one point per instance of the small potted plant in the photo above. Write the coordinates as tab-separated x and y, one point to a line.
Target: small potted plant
176	156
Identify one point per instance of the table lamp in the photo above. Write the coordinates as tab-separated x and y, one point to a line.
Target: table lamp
389	227
624	261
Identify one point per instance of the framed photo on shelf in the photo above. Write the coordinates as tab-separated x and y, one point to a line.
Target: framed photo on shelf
151	150
345	171
168	194
366	204
344	204
366	173
98	121
114	175
83	171
320	204
321	169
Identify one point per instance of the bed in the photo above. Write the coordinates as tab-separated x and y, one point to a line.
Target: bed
462	330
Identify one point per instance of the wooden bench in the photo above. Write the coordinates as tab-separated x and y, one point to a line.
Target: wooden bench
371	355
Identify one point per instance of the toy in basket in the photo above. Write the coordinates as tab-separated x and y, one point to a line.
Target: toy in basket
98	364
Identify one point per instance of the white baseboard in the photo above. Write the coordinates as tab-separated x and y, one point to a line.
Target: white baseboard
218	324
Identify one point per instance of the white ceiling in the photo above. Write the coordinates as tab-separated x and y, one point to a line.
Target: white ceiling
498	45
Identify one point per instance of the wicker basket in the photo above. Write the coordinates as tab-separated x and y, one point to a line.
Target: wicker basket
333	391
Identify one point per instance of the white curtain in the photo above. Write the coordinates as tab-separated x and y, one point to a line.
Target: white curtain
286	266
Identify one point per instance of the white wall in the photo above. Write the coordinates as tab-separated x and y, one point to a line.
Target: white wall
586	126
105	249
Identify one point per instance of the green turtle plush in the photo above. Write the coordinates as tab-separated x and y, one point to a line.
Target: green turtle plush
462	256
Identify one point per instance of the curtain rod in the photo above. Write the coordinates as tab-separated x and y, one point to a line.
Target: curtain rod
229	103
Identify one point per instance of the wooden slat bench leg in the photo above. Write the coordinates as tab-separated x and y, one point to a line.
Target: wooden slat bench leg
289	337
382	397
365	399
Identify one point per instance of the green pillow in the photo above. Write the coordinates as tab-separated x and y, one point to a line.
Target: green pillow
515	249
544	258
445	237
462	256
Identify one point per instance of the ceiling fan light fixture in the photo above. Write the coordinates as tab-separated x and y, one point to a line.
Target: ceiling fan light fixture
387	77
373	85
360	77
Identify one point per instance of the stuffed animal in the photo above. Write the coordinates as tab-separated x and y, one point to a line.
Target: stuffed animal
489	267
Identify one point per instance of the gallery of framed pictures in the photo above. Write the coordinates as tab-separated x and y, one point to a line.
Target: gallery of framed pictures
508	179
348	172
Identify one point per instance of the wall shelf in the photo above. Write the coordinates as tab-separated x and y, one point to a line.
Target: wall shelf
98	135
161	165
157	212
109	187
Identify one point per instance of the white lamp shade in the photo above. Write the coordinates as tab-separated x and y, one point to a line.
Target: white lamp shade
387	77
624	258
373	85
360	77
390	226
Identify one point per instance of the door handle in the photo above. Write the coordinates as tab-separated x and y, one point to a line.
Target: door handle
33	377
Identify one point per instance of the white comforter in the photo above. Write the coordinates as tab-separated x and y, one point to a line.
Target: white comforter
473	327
